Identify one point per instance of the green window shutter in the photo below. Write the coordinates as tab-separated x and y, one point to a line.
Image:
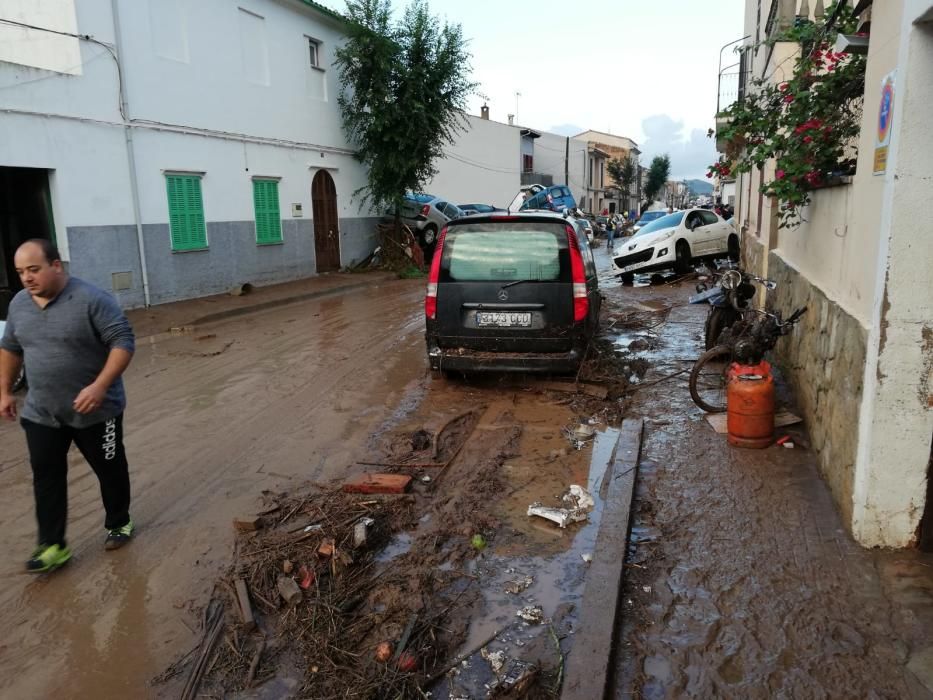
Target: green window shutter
266	204
186	212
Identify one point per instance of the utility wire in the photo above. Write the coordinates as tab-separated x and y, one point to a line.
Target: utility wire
84	37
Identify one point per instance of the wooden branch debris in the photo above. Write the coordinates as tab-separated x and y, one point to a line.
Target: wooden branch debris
246	610
248	524
205	650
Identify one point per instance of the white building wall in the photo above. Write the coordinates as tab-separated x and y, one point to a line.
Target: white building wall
213	83
482	166
201	98
550	150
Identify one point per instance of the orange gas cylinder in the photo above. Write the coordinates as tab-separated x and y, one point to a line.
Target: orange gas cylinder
750	405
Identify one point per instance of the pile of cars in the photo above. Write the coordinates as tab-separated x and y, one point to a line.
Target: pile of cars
676	240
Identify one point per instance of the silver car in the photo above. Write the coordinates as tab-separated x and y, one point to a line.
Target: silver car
426	215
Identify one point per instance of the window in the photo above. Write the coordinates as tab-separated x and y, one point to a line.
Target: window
708	217
505	252
253	48
314	51
186	212
527	163
266	204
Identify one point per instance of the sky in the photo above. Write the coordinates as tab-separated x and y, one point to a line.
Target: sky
646	69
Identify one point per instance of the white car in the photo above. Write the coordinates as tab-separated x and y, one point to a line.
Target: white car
676	241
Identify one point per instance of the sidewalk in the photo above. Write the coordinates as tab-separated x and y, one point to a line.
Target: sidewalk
192	312
741	580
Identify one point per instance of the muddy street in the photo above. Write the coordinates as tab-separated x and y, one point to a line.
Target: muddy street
739	578
215	416
741	581
222	414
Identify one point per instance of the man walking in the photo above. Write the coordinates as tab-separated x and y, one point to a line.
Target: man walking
76	344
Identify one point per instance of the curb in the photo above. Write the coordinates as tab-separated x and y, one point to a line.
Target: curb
590	661
259	306
283	301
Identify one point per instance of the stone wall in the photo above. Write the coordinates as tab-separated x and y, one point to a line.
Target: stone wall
824	359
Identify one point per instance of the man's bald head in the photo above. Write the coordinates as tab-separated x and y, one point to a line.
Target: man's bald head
39	266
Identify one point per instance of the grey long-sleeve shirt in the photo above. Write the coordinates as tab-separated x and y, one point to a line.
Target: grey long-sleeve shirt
65	346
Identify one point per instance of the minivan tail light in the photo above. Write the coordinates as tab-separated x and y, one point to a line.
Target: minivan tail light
581	302
425	209
430	299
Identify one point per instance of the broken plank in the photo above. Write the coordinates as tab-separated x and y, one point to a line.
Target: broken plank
289	590
781	419
246	610
247	524
595	390
378	483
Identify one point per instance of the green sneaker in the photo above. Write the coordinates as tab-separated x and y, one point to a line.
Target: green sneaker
47	558
118	537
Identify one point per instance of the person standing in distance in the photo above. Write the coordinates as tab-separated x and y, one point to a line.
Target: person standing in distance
76	343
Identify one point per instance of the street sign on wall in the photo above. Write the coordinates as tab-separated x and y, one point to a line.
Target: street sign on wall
885	120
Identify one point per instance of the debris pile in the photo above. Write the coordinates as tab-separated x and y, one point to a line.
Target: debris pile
306	592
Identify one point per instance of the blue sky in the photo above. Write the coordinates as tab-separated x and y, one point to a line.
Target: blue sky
645	69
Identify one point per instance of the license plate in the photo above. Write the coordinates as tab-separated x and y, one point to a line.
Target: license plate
629	268
502	319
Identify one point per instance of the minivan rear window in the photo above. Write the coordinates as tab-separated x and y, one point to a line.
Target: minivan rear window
506	251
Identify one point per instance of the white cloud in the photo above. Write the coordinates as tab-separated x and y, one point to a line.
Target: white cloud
690	154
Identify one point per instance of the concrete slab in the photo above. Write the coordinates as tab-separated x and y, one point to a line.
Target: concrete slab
590	660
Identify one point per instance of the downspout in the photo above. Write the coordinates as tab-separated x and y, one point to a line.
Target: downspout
130	154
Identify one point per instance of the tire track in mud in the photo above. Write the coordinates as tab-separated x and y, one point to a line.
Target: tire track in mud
742	582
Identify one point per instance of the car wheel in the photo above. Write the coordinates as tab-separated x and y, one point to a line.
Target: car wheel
733	248
627	277
682	261
428	236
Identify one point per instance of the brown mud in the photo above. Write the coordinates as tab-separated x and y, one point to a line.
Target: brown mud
224	411
741	581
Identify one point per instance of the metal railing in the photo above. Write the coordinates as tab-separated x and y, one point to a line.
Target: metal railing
533	178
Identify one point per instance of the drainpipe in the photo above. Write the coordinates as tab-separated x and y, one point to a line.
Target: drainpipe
130	153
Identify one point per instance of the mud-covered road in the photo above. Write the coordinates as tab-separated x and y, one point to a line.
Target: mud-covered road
220	413
741	580
215	416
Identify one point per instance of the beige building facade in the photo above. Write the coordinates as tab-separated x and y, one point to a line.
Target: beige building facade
601	192
861	361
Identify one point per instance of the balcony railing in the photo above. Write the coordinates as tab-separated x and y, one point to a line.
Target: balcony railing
533	178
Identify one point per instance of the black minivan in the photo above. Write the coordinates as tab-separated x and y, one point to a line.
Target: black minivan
513	292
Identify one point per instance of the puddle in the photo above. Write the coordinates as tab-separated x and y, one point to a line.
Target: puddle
397	546
557	584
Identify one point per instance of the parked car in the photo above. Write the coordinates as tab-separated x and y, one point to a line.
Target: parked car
539	197
676	241
468	209
647	218
511	293
587	228
426	215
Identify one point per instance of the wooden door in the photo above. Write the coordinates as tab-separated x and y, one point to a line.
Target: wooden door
324	212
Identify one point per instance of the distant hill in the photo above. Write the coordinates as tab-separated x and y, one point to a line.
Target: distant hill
699	187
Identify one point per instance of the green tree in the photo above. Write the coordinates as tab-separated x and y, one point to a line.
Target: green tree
403	89
623	172
658	173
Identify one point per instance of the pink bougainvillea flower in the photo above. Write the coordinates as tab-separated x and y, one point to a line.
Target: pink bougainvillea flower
783	87
779	174
788	99
807	139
